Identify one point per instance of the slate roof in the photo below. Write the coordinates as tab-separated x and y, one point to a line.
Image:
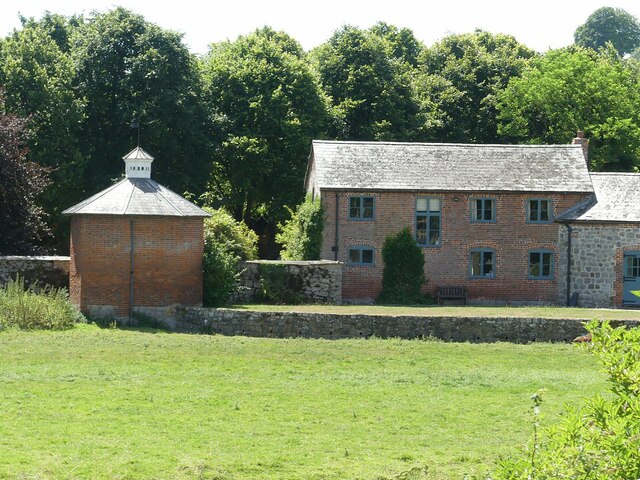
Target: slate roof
137	196
447	167
617	199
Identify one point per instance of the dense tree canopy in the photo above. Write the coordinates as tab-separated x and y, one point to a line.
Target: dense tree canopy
268	106
22	229
130	70
609	24
369	87
458	82
38	78
576	89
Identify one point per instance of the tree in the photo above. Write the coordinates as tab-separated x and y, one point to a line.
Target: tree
301	235
457	84
401	43
609	24
22	228
268	106
132	71
370	89
38	77
576	89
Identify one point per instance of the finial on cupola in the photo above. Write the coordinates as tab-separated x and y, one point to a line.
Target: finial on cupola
138	163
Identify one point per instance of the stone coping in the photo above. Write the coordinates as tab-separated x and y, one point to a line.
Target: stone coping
45	258
295	262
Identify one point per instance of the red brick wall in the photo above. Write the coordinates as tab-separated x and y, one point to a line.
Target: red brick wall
167	261
511	237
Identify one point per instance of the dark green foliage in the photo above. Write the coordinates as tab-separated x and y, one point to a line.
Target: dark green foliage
36	308
267	106
301	235
22	226
403	273
38	77
226	244
369	87
131	70
457	84
601	439
613	25
576	89
278	285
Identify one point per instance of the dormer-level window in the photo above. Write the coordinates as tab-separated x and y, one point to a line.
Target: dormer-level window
539	210
482	210
361	208
428	221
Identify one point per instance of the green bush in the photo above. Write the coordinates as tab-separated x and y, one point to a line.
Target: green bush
601	439
301	235
226	244
403	274
36	309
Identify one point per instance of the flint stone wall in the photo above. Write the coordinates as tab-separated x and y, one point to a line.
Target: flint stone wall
317	281
596	272
335	326
51	270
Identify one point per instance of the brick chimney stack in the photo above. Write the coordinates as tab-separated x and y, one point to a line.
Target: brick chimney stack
580	140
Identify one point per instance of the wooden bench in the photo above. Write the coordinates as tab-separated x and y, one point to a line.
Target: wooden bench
452	293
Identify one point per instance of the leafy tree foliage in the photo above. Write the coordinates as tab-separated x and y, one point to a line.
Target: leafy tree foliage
369	86
22	228
403	273
599	440
609	24
401	43
131	70
576	89
226	243
301	235
268	106
38	77
457	84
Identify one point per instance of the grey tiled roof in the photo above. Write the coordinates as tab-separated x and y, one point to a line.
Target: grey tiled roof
137	196
617	199
447	167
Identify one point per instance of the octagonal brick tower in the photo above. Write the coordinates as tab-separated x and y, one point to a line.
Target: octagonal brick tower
135	244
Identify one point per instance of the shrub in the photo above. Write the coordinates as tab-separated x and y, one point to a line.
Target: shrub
34	309
601	439
301	235
403	274
226	244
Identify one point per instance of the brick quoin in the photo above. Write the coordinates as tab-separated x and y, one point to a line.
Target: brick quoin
510	236
167	261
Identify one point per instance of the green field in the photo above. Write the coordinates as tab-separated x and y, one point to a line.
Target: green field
93	403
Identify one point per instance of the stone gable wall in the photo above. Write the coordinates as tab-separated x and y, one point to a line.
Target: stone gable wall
42	270
597	253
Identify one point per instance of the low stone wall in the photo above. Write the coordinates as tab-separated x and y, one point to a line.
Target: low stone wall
336	326
43	270
314	281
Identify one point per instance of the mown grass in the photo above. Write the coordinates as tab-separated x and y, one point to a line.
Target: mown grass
118	404
457	311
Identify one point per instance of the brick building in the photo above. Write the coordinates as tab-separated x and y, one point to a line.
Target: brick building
484	215
135	244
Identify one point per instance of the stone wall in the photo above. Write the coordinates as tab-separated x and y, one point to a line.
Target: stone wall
336	326
315	281
43	270
596	262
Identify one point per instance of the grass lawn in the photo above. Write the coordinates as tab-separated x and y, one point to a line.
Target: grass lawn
457	311
123	404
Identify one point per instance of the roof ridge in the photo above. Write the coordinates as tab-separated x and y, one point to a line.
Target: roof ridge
443	144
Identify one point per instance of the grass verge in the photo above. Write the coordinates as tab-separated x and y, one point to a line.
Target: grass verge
104	404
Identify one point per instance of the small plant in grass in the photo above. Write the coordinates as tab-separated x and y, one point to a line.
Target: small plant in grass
601	439
403	274
33	309
301	235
